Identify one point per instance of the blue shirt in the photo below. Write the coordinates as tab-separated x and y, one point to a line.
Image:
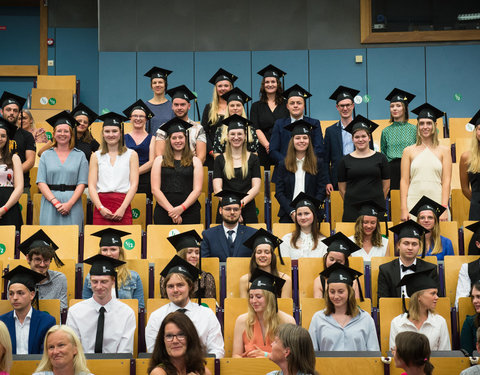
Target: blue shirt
347	142
447	248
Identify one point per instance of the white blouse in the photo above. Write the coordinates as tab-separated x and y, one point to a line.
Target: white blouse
113	178
375	251
305	249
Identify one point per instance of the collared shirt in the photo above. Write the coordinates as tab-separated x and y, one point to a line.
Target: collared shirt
292	120
305	247
358	335
347	142
375	251
464	284
396	137
299	178
204	320
234	234
403	273
22	331
54	288
119	326
435	328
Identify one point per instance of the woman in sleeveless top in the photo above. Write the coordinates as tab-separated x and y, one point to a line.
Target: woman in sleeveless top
470	171
177	178
426	166
113	175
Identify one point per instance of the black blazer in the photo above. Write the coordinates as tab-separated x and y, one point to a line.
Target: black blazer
333	152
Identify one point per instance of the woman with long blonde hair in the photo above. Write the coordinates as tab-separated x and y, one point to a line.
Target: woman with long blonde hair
470	170
5	350
254	331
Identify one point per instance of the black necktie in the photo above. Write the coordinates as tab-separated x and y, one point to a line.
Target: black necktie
182	310
230	237
100	325
412	267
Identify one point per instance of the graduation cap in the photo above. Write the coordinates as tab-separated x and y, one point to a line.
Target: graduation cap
179	265
25	276
9	128
62	118
410	229
342	93
175	125
299	127
222	75
157	72
360	122
230	197
475	227
428	111
38	239
341	244
370	208
261	237
415	282
397	95
426	203
236	94
235	121
475	119
110	237
139	104
103	265
339	273
9	98
182	92
112	119
184	240
305	200
266	281
296	90
83	110
271	71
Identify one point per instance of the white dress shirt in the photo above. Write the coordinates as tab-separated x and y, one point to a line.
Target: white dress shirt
305	247
299	179
403	273
464	284
22	332
204	320
375	251
119	329
234	234
435	328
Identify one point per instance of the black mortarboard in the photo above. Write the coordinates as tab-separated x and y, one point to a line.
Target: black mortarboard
418	281
236	94
397	95
157	72
271	71
426	203
237	122
222	75
179	265
266	281
230	197
82	109
182	92
360	122
38	239
112	119
409	229
475	119
9	128
475	227
184	240
339	273
370	208
110	237
25	276
305	200
343	92
340	243
9	98
139	104
261	236
103	265
296	90
62	118
428	111
299	127
175	125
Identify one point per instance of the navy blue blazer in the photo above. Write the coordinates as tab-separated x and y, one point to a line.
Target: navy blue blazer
214	243
280	138
285	185
333	152
39	325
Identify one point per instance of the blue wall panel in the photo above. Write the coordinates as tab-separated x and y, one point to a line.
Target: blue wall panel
117	80
77	53
453	70
387	68
330	69
207	63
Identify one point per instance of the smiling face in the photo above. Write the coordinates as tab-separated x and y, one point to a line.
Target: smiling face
397	111
62	134
111	134
39	263
236	137
235	108
175	341
181	107
296	106
270	85
82	124
476	299
369	224
138	119
193	255
223	87
263	255
158	86
257	300
301	142
361	140
110	251
345	108
338	294
426	127
178	290
304	217
24	120
426	219
177	141
60	349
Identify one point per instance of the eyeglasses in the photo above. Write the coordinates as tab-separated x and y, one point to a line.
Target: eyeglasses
345	105
180	337
138	116
234	209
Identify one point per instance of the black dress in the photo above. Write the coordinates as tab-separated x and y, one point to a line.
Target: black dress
249	212
87	147
364	181
264	119
177	184
474	179
210	131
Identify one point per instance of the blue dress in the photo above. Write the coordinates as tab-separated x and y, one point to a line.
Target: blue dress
143	152
73	171
163	112
447	248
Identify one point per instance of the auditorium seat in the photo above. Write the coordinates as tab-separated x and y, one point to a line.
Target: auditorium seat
449	229
460	206
281	229
443	366
465	307
158	245
349	365
7	242
139	210
132	243
155	303
23	202
33	182
259	203
37	202
141	365
395	210
52	306
457	128
452	267
467	235
336	207
236	366
348	229
109	366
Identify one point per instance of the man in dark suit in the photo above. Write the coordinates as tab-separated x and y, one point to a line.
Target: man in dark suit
409	236
27	326
226	240
296	97
338	142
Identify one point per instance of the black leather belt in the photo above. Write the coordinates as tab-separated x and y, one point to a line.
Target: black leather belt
62	187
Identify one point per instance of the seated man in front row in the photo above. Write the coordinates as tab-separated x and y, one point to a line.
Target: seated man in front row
408	244
26	325
103	323
226	240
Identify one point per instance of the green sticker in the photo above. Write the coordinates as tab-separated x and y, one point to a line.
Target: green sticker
205	305
457	97
21	207
52	101
49	135
129	244
105	110
2	248
135	213
366	98
257	211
